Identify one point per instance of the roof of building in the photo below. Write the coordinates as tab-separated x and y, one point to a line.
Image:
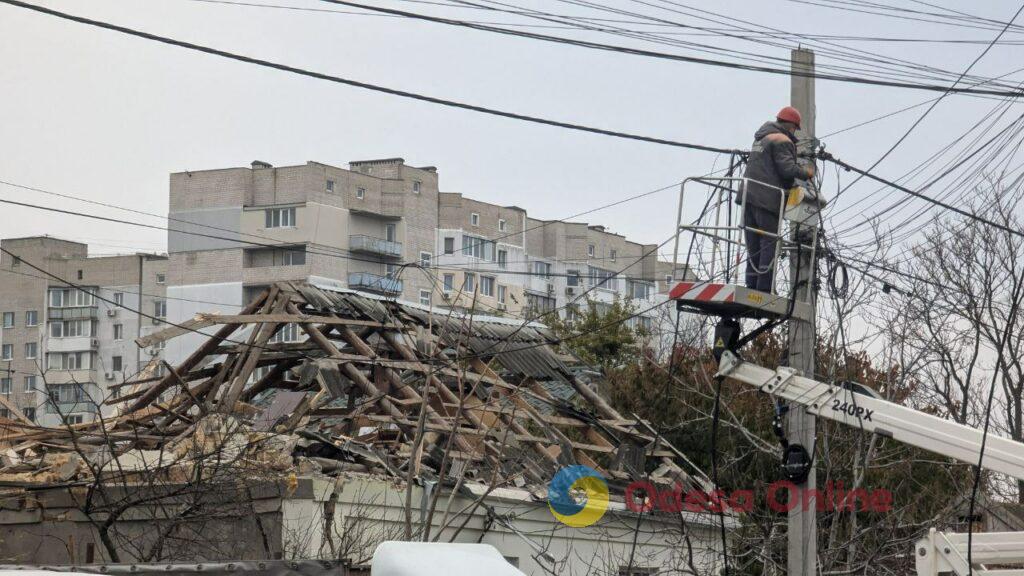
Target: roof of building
504	401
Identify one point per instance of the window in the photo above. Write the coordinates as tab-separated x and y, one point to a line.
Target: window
161	278
70	418
32	318
56	329
487	285
668	278
31	350
502	258
79	274
7	352
611	255
474	219
69	360
30	413
425	297
330	185
279	218
5	386
287	333
360	193
67	297
449	282
416	186
478	247
30	384
603	278
292	257
119	298
502	293
590	250
160	308
469	283
572	278
449	245
540	304
118	331
390	232
116	364
640	290
391	270
8	319
425	259
542	269
501	225
71	328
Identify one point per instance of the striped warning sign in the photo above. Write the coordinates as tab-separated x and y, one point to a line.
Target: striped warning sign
703	292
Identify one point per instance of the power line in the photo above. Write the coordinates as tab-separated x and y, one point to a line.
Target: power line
662	55
950	207
455	266
368	86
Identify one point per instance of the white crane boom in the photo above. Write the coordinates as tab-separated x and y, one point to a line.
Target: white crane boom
879	416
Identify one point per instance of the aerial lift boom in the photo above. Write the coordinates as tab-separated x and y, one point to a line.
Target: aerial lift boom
857	406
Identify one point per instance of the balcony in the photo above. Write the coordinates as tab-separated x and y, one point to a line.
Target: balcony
371	245
76	313
374	283
71	407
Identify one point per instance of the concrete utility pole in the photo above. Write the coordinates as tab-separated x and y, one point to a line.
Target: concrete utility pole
803	532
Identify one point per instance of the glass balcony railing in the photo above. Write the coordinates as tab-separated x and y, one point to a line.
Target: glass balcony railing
374	283
371	245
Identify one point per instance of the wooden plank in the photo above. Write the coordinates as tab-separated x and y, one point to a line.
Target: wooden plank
263	332
173	331
292	317
197	356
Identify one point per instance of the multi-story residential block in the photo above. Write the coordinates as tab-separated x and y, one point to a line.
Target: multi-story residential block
481	260
235	230
65	343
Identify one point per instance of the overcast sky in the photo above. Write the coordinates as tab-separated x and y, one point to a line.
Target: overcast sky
96	114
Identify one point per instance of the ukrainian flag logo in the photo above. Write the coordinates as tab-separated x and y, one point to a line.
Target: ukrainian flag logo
578	496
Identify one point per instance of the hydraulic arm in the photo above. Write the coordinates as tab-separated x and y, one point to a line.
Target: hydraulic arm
854	406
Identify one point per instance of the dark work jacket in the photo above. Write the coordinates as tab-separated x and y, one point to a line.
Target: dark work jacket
772	161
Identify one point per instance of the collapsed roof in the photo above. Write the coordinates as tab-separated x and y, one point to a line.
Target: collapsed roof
374	386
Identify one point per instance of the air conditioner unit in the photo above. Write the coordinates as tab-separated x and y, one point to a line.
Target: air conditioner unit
157	320
501	306
109	375
570	290
112	312
95	343
154	351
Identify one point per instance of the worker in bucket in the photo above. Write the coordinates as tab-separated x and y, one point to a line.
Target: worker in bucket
772	166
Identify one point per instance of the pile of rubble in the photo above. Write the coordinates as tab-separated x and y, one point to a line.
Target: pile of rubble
369	386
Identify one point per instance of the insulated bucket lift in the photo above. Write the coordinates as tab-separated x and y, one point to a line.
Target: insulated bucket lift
710	254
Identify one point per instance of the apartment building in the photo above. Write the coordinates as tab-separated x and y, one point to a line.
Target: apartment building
235	230
62	346
481	260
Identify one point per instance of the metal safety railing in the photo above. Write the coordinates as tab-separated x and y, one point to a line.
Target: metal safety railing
721	222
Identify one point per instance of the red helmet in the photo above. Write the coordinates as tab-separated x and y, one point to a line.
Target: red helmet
789	114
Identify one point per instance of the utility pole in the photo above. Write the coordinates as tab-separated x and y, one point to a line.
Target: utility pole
799	425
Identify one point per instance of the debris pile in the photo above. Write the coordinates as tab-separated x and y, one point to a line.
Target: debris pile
310	380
